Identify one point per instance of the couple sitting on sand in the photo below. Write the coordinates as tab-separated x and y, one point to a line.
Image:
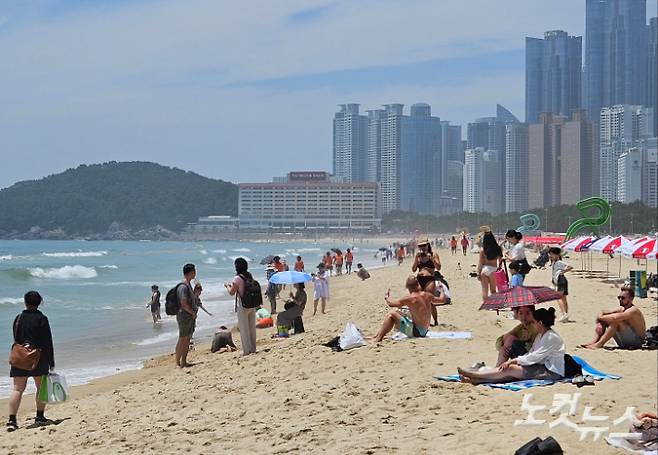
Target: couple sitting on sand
413	314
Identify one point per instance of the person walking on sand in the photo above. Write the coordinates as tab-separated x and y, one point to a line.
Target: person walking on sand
453	245
464	244
246	316
338	260
625	324
490	256
155	304
558	269
320	289
31	326
186	317
415	323
328	262
299	264
349	258
400	254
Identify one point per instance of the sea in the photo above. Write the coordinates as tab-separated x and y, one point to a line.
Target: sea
96	294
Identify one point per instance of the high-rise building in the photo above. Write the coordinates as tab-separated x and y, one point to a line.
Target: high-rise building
629	176
650	173
350	143
374	155
489	133
652	73
420	161
390	150
561	160
620	128
481	183
552	74
451	151
579	176
615	54
516	167
453	188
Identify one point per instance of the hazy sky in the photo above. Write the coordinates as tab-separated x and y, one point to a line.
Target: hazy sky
244	90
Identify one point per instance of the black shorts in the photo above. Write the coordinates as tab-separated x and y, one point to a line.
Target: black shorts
563	285
424	280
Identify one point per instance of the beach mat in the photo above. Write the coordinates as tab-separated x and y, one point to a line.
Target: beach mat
526	384
398	336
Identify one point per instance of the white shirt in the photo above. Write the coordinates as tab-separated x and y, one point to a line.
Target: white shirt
558	267
517	252
548	350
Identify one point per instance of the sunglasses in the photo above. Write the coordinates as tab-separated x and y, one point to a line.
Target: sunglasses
621	297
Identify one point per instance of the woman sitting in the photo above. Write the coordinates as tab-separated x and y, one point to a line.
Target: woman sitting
544	361
519	340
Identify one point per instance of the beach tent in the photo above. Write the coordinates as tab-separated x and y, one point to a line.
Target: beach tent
644	249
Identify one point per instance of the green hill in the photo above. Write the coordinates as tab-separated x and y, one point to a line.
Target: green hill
136	195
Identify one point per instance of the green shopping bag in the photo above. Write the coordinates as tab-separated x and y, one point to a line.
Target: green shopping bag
53	389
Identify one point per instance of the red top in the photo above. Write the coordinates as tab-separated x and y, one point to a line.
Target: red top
348	256
299	266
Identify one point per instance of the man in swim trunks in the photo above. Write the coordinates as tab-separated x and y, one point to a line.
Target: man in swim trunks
625	324
416	322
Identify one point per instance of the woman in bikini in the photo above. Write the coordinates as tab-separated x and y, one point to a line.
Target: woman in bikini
490	256
426	262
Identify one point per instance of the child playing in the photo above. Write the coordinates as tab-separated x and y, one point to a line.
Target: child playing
516	279
558	269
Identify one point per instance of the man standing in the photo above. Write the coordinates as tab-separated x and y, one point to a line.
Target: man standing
625	324
186	317
299	264
464	244
338	260
349	258
155	304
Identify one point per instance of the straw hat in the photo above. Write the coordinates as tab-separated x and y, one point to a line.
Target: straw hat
423	240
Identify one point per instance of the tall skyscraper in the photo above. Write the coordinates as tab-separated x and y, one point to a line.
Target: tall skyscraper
453	188
620	128
420	161
374	155
579	177
552	74
451	152
390	149
629	176
482	184
350	143
650	173
615	54
652	73
516	167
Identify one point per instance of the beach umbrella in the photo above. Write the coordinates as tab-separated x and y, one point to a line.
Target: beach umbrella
566	245
267	260
645	249
519	296
628	249
601	243
290	277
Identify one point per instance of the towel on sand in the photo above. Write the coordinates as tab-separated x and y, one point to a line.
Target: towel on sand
526	384
397	336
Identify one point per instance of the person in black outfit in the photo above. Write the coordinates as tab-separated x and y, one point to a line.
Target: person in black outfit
32	327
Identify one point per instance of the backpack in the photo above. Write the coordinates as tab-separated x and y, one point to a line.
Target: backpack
172	305
253	295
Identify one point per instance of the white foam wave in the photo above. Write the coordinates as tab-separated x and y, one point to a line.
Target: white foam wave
233	258
307	250
68	272
76	254
241	250
204	252
10	301
110	266
210	261
7	257
219	251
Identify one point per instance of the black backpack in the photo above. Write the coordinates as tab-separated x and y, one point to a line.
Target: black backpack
571	367
253	294
172	305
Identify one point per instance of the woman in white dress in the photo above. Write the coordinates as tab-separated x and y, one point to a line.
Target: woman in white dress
320	288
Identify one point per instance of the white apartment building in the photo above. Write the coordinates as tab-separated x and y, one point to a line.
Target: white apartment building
309	201
629	176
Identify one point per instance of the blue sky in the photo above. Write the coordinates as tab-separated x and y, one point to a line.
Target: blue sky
204	84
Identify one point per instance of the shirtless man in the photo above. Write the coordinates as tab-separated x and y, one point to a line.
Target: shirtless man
625	323
419	303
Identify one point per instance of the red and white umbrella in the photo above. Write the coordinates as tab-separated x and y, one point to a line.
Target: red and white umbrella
600	243
628	249
645	249
581	245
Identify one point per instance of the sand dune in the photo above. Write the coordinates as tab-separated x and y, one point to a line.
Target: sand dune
297	396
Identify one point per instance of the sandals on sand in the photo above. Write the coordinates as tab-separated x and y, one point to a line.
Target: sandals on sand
11	426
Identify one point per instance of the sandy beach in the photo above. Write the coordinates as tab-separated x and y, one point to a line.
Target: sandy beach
296	395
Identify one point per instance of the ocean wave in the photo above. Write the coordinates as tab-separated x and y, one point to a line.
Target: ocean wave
204	252
219	251
233	258
68	272
76	254
110	266
210	261
307	250
241	250
10	301
8	257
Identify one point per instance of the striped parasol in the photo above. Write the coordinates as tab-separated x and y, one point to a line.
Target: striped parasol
519	296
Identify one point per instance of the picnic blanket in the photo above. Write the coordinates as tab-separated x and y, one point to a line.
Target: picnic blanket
398	336
526	384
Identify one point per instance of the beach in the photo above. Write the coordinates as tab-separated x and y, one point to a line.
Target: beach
296	395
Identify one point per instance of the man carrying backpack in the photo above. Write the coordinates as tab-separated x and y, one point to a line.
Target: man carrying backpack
248	297
186	315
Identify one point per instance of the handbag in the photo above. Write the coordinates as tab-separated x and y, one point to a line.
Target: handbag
23	356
